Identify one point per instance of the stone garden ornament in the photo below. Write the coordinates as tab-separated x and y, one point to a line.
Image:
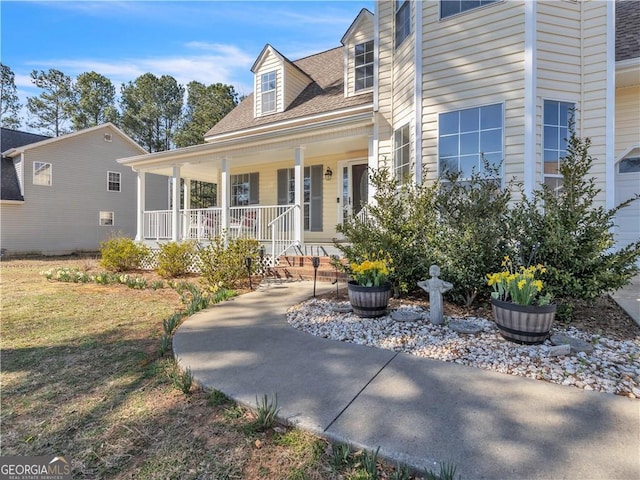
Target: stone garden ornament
435	287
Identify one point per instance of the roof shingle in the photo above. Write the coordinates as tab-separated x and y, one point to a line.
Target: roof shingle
324	94
627	29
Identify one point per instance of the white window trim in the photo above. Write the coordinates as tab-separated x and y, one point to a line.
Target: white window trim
100	218
356	67
275	93
504	136
50	174
394	149
542	124
465	12
119	181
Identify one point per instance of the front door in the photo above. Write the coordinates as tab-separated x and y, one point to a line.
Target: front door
354	194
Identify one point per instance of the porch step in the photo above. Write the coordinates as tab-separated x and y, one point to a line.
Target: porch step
299	267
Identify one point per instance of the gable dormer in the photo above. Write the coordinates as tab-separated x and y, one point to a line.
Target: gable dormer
359	55
277	82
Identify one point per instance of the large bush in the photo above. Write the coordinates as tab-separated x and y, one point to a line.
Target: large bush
472	230
175	258
571	236
121	254
399	222
223	266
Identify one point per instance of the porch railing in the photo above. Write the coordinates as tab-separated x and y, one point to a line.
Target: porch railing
283	231
256	221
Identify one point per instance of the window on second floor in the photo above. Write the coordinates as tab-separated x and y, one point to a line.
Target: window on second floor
468	138
402	20
268	91
364	65
42	173
453	7
402	153
555	132
113	181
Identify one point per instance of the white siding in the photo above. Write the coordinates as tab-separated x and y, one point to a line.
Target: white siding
270	63
627	118
362	34
63	217
474	59
294	83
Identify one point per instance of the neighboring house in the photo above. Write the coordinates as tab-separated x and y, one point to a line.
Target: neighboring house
67	194
418	87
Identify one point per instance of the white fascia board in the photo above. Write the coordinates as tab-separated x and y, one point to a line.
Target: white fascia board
290	124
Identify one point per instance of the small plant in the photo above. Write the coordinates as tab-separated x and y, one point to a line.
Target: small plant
369	462
183	379
518	284
222	266
171	323
372	272
174	258
447	472
217	398
121	254
266	412
400	473
165	344
341	455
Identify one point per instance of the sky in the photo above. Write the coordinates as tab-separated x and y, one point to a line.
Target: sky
208	41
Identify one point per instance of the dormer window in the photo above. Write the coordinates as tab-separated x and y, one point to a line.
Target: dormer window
364	65
268	89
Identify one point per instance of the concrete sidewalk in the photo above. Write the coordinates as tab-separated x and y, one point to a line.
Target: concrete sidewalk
628	298
418	411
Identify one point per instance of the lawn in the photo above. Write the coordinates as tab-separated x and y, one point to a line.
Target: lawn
82	377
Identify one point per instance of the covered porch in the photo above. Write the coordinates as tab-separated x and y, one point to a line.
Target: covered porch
283	190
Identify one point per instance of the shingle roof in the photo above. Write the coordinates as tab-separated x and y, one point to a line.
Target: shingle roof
10	187
627	29
324	94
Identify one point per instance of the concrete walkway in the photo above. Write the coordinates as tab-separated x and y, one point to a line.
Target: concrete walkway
628	298
418	411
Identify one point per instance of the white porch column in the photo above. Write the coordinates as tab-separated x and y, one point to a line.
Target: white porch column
372	163
299	191
186	191
140	206
175	200
225	194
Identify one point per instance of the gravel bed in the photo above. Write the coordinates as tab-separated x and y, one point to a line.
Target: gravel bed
612	367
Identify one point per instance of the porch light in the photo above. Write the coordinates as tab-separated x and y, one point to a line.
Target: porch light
328	174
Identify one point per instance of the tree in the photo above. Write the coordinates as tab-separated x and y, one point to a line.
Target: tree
151	108
9	104
206	105
94	101
52	108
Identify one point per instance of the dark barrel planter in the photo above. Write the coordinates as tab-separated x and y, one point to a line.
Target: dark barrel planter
528	324
369	302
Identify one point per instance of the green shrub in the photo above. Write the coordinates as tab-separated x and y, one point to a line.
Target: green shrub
472	231
223	267
399	222
174	258
571	236
121	254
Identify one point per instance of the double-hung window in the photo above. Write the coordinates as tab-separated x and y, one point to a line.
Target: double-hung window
42	173
106	219
555	124
113	181
268	91
402	153
364	65
244	189
470	138
453	7
402	20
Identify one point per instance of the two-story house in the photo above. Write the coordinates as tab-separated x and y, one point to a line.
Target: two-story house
67	194
418	87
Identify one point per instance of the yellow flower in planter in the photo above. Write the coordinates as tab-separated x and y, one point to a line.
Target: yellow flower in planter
372	273
518	284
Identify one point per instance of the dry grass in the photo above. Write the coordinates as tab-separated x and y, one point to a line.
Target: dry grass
81	377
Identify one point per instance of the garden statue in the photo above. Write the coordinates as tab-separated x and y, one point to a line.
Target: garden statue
435	287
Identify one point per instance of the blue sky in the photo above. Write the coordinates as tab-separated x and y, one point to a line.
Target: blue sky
208	41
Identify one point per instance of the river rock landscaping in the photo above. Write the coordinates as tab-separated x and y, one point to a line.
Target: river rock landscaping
609	360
